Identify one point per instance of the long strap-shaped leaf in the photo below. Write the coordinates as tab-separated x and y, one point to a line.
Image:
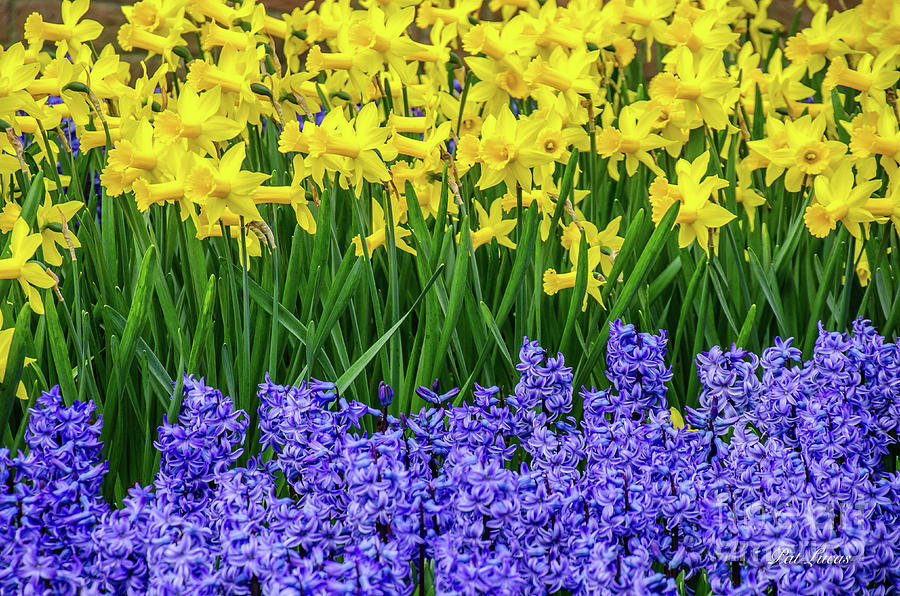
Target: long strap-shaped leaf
360	364
524	256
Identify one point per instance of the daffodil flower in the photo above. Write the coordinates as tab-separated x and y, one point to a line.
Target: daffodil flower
699	83
646	17
633	140
293	195
502	150
840	198
52	220
70	34
698	216
217	186
875	134
820	41
805	152
16	77
454	18
497	81
607	240
362	143
570	74
554	282
871	76
196	119
30	275
378	237
492	226
381	36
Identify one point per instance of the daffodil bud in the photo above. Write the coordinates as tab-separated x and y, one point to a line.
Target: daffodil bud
261	89
77	86
183	52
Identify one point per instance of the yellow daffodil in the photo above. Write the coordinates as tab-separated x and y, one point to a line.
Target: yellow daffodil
492	226
606	239
570	74
698	83
646	17
497	81
52	221
68	35
232	224
545	197
820	41
166	184
18	266
698	216
748	198
293	195
383	37
554	282
871	76
362	143
889	206
502	150
135	154
840	198
155	15
704	33
234	72
805	152
875	134
378	237
633	140
16	78
426	150
196	119
861	264
455	18
217	186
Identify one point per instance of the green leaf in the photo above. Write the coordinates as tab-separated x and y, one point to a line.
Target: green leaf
630	243
578	295
662	281
749	321
492	327
770	290
360	363
524	256
14	364
565	187
831	268
204	324
687	306
458	286
60	352
137	313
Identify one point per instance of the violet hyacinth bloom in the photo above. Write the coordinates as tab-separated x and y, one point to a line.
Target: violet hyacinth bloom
783	480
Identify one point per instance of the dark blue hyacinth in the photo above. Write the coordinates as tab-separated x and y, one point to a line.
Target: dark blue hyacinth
782	482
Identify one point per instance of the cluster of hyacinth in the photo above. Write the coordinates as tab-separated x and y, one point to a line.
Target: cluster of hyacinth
782	481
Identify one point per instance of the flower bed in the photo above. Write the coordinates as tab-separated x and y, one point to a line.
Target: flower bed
783	479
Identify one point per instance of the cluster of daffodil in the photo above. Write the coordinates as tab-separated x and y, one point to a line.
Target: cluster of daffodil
377	98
